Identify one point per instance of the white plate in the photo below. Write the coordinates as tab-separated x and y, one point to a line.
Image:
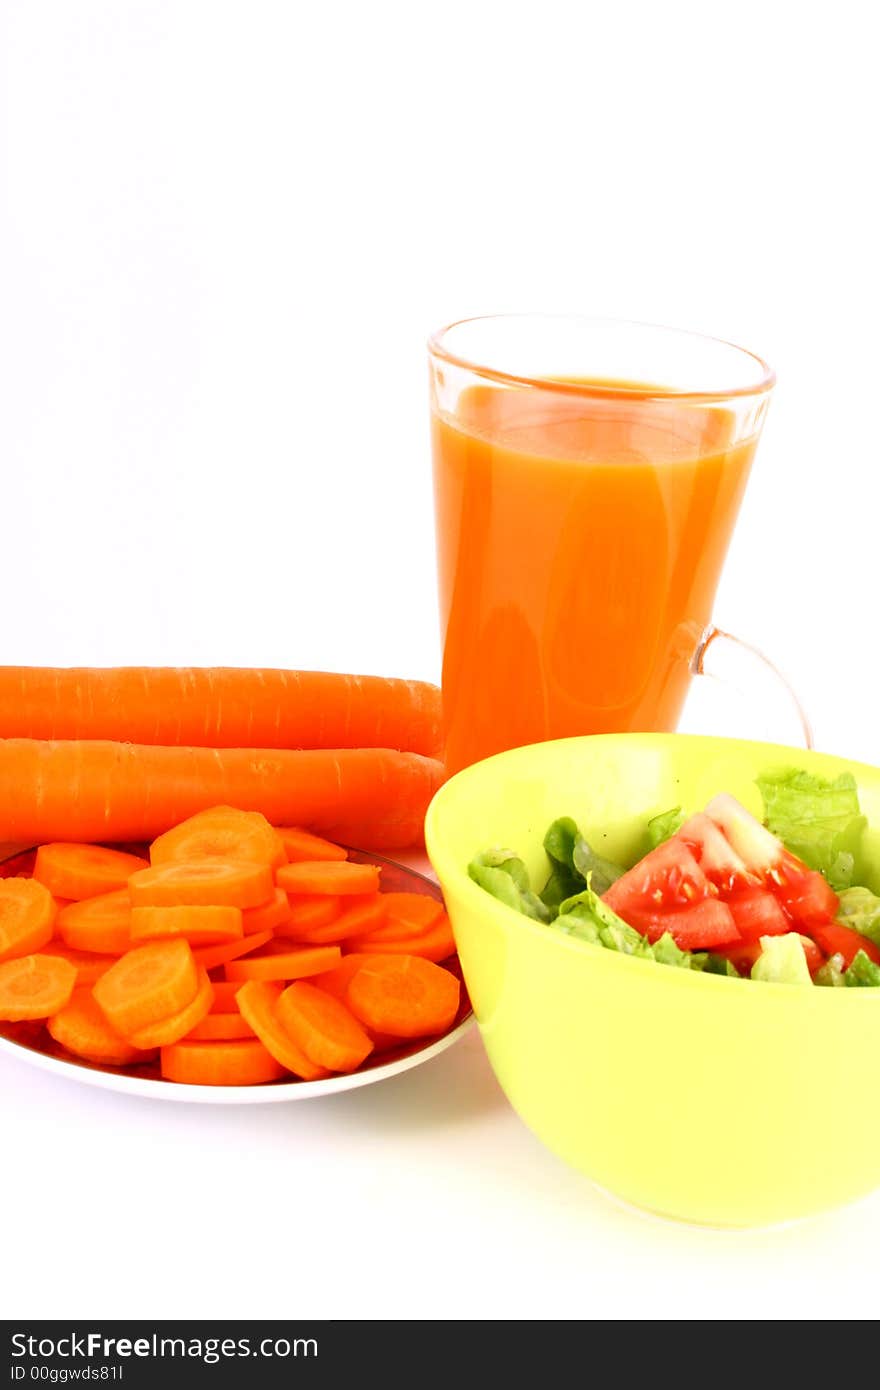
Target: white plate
132	1081
228	1095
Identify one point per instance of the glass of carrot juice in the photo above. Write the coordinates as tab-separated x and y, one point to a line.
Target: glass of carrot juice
587	476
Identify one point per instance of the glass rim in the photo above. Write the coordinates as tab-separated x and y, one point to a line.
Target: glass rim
605	390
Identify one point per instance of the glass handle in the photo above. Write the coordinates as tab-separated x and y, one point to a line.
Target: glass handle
727	658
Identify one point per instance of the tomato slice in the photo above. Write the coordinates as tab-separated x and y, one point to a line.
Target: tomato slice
757	913
667	878
668	891
700	927
835	939
804	894
716	856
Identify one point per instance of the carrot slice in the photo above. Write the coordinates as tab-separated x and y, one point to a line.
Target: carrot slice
238	1063
309	911
147	984
82	871
209	957
224	997
83	1030
202	883
436	944
325	1029
285	965
407	997
409	913
202	926
221	1027
34	987
27	917
177	1025
361	918
272	914
222	832
328	876
337	980
302	844
101	924
258	1003
88	965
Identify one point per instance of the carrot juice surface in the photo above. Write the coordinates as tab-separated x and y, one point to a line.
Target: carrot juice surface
580	542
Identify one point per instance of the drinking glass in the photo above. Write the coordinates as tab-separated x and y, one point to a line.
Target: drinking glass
588	475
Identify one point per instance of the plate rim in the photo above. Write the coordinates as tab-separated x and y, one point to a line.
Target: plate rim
148	1088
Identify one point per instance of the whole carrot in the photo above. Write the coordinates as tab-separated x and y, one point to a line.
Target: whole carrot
103	791
220	707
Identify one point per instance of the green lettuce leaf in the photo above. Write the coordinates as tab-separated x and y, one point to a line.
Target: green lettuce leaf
819	821
664	826
782	961
503	874
860	909
831	973
862	972
564	880
573	861
720	965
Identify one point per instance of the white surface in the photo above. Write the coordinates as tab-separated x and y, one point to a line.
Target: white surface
226	232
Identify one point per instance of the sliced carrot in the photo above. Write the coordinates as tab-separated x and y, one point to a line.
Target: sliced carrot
27	917
34	987
220	1027
147	984
238	1063
436	944
407	997
222	832
258	1002
201	926
82	871
337	983
88	965
360	918
309	911
409	913
302	844
82	1028
209	957
328	1032
177	1025
202	883
224	1001
285	965
101	924
328	876
272	914
337	980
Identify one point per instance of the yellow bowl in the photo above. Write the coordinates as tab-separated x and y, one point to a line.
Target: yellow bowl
708	1099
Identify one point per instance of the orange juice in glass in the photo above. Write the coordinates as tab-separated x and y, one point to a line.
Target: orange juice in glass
587	477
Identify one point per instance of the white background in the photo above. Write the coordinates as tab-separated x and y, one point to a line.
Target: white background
226	231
